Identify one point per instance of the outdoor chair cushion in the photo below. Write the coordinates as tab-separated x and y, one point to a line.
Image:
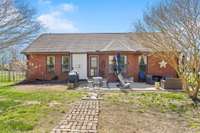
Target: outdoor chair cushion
129	80
151	79
171	83
141	76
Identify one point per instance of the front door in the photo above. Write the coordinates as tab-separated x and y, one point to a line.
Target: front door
79	64
94	65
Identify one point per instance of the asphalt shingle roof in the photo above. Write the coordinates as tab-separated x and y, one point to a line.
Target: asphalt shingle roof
84	42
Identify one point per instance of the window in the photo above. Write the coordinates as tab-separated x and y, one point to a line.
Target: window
142	63
93	62
50	63
110	63
65	63
123	63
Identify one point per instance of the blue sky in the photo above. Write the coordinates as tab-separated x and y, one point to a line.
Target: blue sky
89	15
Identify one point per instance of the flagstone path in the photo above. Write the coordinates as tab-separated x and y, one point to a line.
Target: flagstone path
82	118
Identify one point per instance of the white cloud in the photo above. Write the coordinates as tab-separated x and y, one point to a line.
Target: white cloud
55	19
55	22
68	7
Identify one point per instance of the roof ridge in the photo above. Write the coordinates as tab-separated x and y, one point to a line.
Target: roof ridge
108	45
125	45
82	42
86	33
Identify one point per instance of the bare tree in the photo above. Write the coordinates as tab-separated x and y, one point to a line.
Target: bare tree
17	23
171	30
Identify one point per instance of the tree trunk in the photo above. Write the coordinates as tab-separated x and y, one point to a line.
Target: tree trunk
192	93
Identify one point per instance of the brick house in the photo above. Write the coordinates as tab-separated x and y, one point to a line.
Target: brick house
52	56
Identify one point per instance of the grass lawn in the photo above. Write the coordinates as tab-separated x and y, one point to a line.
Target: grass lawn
148	112
33	111
38	108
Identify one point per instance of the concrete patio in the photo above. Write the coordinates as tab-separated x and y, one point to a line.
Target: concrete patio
135	86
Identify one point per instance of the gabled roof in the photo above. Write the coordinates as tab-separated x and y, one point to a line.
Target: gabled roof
84	42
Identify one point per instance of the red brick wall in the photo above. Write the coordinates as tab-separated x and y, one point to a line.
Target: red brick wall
133	67
154	67
37	68
132	70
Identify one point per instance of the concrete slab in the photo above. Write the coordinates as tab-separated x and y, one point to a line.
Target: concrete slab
137	86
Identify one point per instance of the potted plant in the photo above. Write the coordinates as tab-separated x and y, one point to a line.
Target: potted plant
157	85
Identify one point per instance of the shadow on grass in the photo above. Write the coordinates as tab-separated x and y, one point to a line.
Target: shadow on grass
124	91
35	82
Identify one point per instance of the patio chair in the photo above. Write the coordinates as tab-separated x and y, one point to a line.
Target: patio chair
97	82
104	83
149	79
90	83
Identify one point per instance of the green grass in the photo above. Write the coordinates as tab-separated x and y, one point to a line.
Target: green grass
162	102
22	111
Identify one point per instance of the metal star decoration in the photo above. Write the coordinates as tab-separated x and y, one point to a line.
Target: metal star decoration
163	64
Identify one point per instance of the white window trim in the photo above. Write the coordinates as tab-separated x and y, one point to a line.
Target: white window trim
144	57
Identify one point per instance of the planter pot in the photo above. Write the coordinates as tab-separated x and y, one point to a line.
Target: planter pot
157	85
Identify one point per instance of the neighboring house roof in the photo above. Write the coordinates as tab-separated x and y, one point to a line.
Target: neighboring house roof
84	42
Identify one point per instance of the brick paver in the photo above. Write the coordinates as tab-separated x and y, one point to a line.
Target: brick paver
82	118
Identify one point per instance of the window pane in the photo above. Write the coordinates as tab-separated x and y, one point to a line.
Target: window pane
123	63
110	63
65	59
142	59
65	63
123	60
50	63
94	62
92	72
142	63
50	60
111	59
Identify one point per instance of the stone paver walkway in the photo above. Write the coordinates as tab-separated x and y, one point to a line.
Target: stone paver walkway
82	118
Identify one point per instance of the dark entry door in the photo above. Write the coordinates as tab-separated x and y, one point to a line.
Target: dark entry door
94	66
